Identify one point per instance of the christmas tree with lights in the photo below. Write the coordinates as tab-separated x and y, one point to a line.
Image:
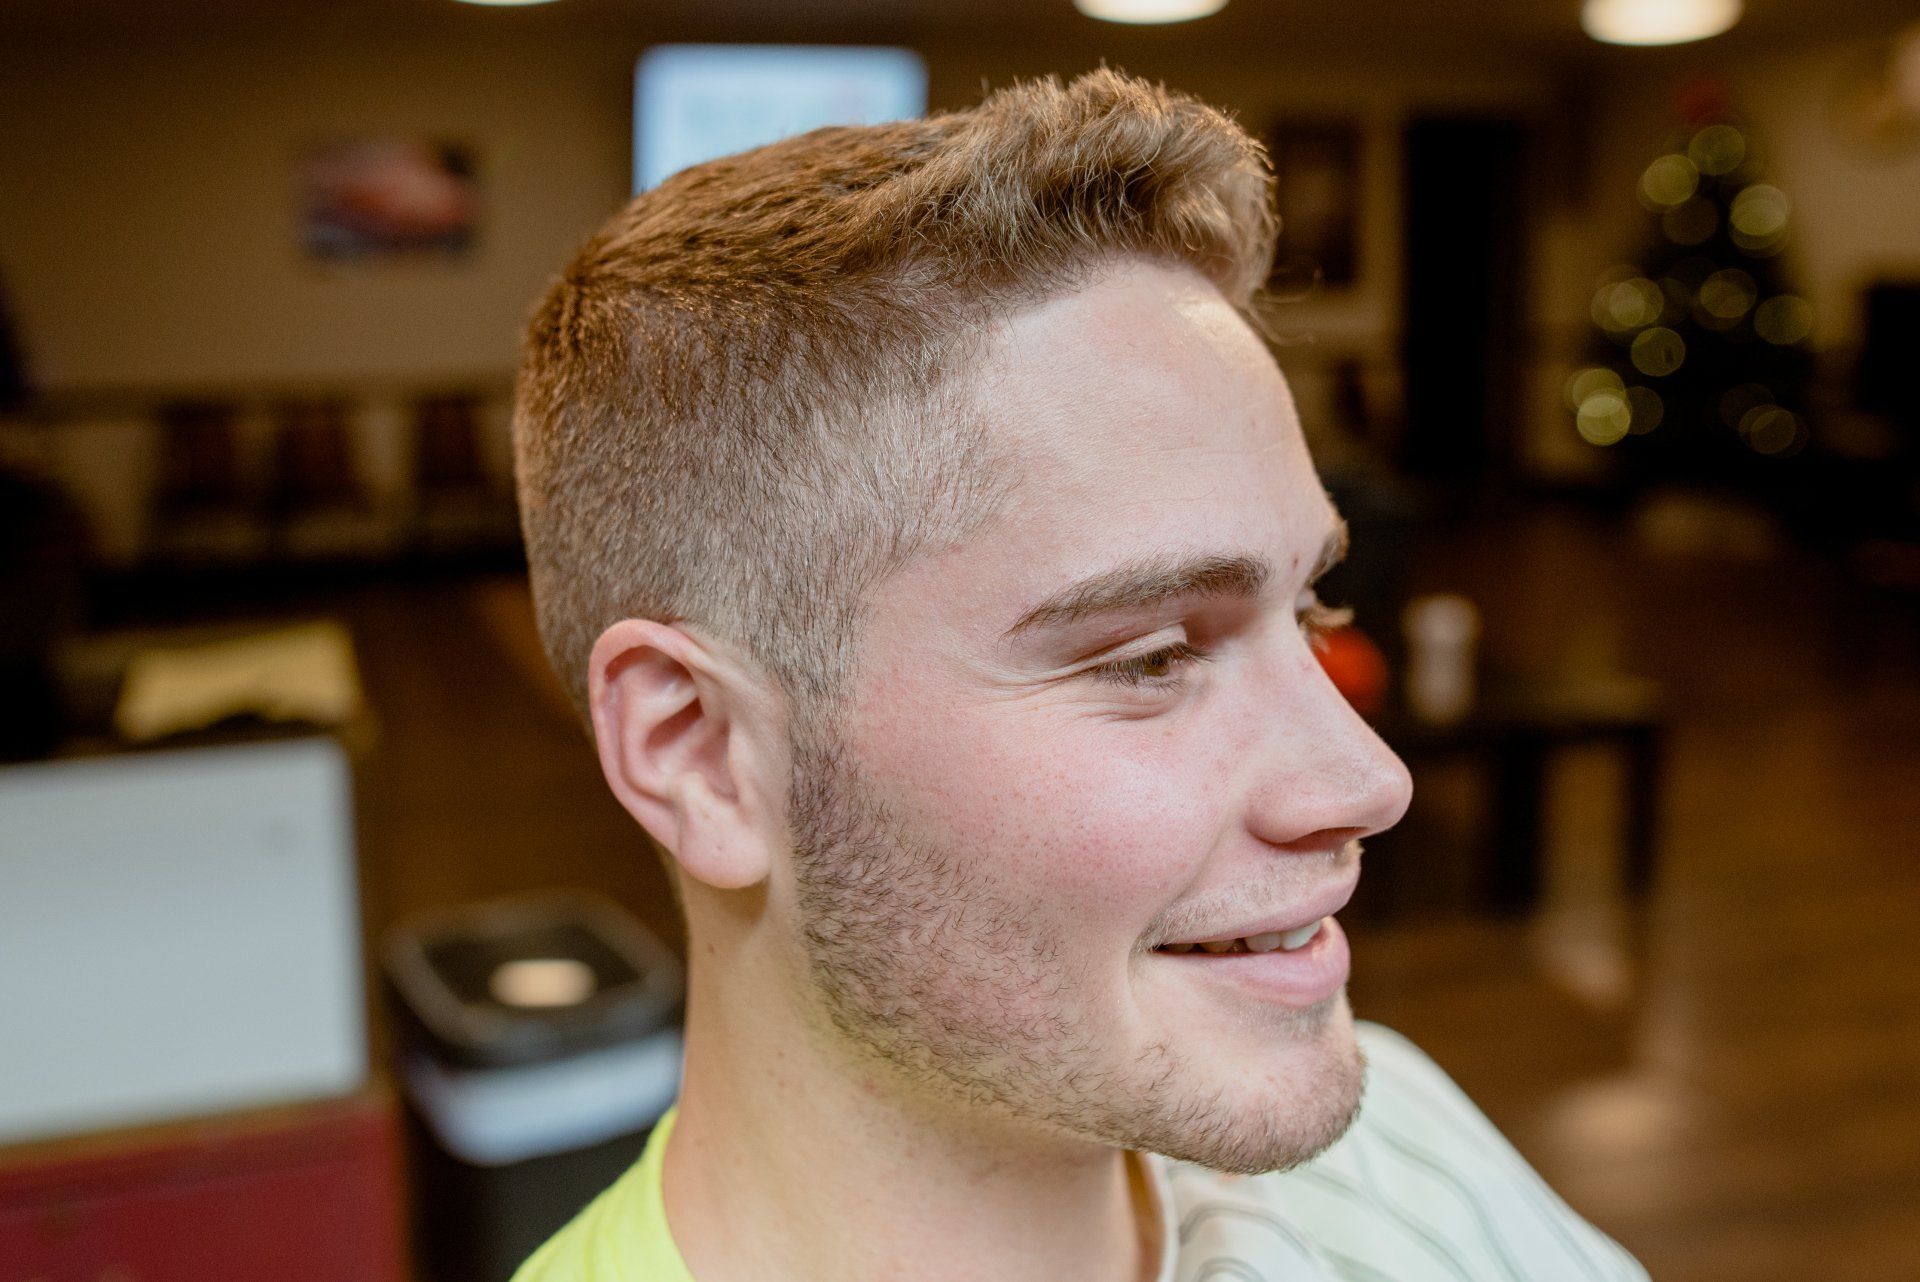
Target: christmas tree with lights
1701	359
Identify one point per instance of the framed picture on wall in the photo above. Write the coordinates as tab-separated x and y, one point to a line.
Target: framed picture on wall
1317	190
374	198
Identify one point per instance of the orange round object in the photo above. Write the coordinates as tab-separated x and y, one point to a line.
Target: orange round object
1356	667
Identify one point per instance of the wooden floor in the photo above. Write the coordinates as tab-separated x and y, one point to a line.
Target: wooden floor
1729	1085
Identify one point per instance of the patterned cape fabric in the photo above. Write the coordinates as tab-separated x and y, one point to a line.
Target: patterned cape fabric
1421	1187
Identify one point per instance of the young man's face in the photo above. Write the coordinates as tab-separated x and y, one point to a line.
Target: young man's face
1094	727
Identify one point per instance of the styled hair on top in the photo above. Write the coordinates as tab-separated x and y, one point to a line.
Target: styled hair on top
745	401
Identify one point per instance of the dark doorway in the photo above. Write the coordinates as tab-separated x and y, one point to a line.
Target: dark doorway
1466	269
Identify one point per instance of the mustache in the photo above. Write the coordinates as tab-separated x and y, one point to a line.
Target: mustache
1286	880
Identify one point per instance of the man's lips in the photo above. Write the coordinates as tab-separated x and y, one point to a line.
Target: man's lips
1324	902
1301	979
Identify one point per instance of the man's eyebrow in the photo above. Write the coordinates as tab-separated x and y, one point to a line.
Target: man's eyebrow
1144	583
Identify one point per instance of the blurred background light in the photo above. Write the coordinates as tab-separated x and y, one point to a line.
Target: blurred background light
506	4
1605	417
1658	352
1783	320
1657	22
1646	408
1769	429
1669	180
1717	149
1149	11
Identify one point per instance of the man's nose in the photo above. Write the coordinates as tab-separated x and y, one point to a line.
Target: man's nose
1323	776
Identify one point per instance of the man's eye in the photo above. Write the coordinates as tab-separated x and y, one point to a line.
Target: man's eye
1161	669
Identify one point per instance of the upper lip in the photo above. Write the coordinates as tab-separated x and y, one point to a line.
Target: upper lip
1303	912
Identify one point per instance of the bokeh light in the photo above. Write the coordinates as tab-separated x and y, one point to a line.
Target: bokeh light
1669	181
1628	305
1594	378
1758	218
1717	149
1604	418
1658	352
1772	430
1784	320
1725	297
1657	22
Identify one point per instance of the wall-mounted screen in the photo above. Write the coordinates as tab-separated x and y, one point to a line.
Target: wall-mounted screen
694	102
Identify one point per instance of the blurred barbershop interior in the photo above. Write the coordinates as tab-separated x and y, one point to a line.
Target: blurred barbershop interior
325	953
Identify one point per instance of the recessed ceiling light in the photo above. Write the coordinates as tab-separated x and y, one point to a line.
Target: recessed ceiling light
1145	11
1657	22
506	4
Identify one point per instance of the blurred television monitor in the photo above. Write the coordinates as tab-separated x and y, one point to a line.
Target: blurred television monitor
179	935
694	102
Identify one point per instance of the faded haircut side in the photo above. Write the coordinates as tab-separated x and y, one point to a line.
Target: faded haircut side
744	402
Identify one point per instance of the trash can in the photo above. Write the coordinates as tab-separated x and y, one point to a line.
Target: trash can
537	1042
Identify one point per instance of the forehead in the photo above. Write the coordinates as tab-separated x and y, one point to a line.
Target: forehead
1142	415
1138	417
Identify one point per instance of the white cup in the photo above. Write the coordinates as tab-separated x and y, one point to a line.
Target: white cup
1443	633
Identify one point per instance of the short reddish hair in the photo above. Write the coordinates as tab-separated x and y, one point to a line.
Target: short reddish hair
745	399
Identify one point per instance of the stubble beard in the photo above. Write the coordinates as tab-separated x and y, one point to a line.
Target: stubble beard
920	966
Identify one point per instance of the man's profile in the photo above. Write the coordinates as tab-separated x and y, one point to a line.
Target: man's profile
929	538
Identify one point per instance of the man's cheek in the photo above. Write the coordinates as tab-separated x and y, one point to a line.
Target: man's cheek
1109	835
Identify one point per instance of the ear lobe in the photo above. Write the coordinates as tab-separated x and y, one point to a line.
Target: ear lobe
668	724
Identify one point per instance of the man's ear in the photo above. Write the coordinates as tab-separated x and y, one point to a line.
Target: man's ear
678	729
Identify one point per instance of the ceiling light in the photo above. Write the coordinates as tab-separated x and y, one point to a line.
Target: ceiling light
1144	11
507	4
1657	22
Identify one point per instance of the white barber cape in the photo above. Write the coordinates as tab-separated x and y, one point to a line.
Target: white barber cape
1421	1188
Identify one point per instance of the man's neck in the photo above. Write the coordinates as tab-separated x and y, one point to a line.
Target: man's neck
787	1161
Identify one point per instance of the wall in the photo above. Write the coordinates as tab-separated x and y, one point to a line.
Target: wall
148	229
148	235
149	232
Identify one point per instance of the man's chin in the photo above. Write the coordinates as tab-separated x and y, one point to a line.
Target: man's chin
1285	1111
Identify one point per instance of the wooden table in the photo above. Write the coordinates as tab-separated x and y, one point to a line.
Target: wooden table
1514	731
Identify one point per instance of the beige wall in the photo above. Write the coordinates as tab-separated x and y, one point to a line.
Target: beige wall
148	229
149	235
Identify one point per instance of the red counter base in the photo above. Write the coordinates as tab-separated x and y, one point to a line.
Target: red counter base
297	1194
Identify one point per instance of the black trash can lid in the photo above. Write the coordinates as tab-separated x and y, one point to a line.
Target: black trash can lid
531	979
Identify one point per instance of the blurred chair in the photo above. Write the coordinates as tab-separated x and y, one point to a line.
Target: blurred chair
203	510
322	508
458	507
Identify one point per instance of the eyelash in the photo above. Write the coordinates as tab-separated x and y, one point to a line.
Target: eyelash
1316	621
1139	670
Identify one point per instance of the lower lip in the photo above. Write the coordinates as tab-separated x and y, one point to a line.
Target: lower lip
1308	975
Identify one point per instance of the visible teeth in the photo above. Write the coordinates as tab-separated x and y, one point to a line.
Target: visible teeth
1280	940
1293	939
